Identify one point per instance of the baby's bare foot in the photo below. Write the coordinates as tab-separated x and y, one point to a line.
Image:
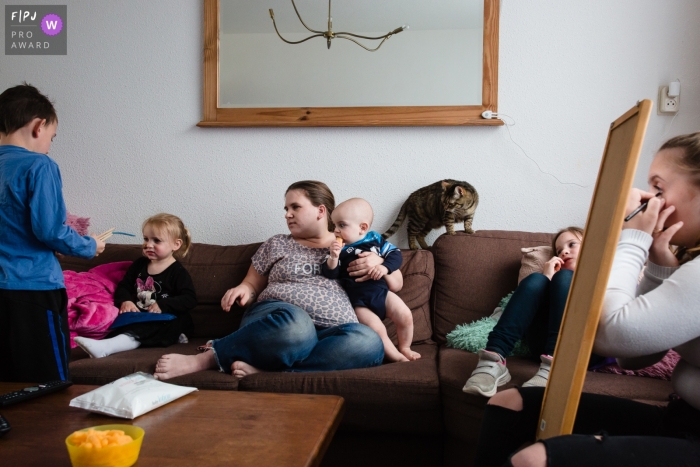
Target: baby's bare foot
393	355
172	365
242	369
410	354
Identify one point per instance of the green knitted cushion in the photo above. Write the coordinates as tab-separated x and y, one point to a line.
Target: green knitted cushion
473	336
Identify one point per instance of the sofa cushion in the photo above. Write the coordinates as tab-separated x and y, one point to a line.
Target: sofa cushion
397	397
86	370
473	272
534	259
418	271
463	412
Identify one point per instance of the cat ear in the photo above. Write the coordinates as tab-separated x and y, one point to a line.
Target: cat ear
139	284
459	192
445	184
149	283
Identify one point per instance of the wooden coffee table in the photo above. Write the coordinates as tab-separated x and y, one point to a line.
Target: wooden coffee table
207	428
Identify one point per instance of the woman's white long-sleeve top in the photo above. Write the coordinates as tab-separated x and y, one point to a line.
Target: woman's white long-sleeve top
640	323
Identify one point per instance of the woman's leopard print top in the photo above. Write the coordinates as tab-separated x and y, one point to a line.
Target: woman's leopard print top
294	276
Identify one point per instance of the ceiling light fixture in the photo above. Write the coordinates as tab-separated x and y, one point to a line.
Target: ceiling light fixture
330	35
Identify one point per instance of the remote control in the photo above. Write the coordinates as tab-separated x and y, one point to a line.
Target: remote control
32	392
4	426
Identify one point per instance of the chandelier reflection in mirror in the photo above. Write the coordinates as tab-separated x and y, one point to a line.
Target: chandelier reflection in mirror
330	35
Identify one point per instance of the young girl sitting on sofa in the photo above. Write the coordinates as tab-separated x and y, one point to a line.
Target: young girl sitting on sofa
534	313
156	285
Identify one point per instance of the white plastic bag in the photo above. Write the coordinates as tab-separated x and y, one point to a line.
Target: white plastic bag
130	396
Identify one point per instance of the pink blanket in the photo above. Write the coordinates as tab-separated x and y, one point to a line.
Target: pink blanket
661	370
91	307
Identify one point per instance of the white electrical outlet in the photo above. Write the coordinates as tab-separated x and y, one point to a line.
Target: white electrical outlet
667	105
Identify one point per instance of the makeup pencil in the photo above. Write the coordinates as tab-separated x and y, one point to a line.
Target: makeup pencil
641	208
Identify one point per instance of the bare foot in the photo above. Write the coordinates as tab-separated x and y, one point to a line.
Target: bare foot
393	355
242	369
172	365
410	354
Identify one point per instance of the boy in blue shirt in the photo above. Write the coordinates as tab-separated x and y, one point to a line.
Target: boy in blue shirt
34	339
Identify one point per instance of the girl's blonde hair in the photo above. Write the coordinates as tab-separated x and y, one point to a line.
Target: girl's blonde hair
688	162
175	229
578	231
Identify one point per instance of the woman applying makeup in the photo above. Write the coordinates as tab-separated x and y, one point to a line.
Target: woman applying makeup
638	325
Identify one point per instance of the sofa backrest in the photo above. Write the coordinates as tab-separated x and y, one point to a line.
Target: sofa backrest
215	269
474	272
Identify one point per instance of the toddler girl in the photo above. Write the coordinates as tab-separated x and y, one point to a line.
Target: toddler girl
156	295
534	313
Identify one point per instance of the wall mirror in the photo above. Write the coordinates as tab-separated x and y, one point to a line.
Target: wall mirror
442	70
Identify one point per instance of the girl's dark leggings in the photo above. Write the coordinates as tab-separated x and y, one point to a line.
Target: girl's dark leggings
633	433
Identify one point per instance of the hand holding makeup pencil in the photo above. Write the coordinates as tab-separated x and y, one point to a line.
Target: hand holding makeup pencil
652	220
642	210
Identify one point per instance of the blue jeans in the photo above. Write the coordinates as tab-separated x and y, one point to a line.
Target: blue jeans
279	336
533	313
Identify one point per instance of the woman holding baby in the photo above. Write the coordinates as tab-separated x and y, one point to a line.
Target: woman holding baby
298	320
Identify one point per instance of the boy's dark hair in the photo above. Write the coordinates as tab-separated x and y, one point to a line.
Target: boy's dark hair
22	104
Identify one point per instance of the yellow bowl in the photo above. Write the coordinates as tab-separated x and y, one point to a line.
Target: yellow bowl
108	456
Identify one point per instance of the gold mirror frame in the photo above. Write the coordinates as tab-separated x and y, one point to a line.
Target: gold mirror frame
458	115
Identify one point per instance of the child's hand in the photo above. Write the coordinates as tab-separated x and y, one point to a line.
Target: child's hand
127	307
154	308
100	245
335	249
377	272
552	266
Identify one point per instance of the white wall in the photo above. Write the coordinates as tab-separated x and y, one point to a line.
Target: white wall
128	95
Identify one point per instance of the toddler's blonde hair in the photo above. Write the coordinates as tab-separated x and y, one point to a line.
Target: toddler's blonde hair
174	227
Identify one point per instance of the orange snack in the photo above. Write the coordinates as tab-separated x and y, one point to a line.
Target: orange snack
105	446
97	439
339	240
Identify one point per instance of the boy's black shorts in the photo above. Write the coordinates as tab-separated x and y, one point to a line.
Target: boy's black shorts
34	336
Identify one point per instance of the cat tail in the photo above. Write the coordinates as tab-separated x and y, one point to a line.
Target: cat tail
397	223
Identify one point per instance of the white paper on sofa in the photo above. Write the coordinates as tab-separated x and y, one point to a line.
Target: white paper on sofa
130	396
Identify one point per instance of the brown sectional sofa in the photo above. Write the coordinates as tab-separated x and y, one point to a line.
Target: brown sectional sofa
404	414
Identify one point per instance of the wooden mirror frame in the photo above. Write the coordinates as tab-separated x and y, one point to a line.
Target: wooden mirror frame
215	116
585	302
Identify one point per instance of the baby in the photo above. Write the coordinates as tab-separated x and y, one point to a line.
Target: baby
372	299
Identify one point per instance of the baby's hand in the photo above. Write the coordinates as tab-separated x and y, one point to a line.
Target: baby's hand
154	308
336	248
552	266
377	272
128	307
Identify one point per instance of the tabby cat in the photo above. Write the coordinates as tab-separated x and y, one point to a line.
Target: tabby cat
442	203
